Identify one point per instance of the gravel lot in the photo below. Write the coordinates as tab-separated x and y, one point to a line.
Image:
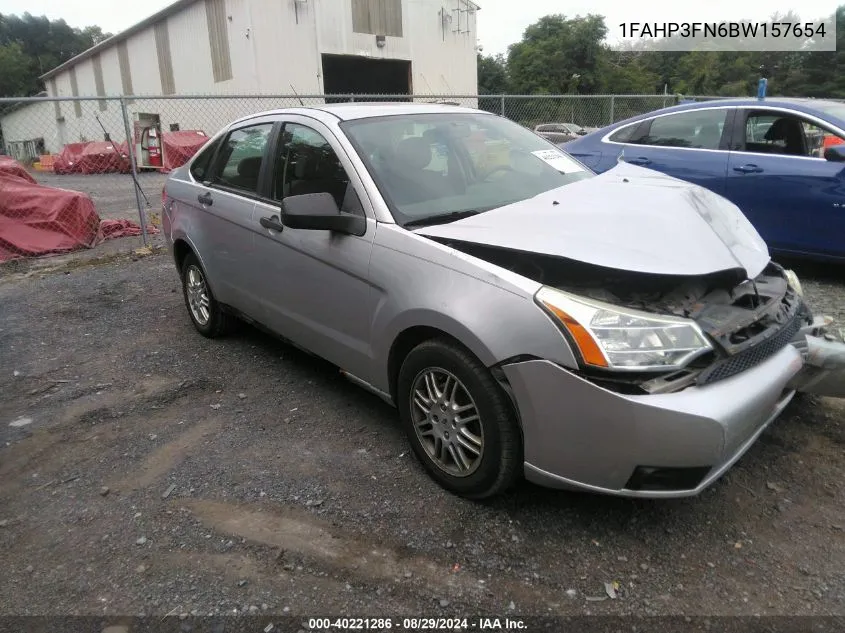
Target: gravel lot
113	194
148	470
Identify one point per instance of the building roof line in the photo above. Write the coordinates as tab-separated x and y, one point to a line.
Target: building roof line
119	37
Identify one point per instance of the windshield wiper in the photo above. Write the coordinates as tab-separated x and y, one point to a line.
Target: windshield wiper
442	218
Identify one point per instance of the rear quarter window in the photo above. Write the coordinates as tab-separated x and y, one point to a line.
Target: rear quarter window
201	166
624	135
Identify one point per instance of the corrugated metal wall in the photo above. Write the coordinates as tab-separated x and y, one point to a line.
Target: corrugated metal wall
218	39
269	47
125	70
165	61
100	85
51	90
74	89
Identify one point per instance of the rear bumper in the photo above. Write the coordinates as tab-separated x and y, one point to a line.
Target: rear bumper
582	436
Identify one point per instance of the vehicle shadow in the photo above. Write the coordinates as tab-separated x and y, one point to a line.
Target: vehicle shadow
584	512
812	269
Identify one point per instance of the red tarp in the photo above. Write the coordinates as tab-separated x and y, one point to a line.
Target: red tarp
99	157
180	147
102	158
67	160
36	220
12	167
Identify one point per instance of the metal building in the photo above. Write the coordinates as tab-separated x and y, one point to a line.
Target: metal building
260	47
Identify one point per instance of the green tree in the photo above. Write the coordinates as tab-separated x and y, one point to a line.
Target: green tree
44	44
558	55
492	74
14	74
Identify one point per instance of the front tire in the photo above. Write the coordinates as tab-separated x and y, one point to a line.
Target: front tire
460	423
206	314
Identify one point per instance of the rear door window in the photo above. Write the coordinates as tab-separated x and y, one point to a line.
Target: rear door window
694	129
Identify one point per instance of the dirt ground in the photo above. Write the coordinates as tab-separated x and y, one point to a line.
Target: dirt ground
147	470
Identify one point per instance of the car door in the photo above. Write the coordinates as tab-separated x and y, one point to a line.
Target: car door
690	145
778	177
223	234
315	284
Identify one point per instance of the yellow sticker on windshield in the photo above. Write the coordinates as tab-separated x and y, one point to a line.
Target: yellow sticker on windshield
493	155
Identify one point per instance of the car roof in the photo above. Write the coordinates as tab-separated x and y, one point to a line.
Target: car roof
350	111
819	107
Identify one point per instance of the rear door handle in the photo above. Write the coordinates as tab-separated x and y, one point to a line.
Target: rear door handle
272	223
205	199
641	160
748	169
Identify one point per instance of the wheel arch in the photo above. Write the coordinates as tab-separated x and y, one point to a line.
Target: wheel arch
412	336
182	247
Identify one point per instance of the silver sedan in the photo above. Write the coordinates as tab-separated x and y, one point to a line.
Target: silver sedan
625	333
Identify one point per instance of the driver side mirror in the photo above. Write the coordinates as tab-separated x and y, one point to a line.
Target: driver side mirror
319	212
835	153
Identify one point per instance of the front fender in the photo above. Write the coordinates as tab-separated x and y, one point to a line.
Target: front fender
426	284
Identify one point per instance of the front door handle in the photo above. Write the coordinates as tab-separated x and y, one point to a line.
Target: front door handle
205	199
641	160
748	169
273	223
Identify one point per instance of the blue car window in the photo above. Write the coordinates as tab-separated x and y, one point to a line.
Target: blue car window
696	129
768	132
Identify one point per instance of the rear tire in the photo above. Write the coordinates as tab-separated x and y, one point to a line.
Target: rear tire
460	423
206	314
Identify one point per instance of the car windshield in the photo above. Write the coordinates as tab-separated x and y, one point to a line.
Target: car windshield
452	164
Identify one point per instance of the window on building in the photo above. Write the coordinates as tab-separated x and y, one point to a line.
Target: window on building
241	156
377	17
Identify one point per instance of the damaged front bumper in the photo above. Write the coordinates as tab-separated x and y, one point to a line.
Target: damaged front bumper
580	435
823	373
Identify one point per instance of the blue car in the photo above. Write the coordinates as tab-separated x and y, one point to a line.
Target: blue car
781	161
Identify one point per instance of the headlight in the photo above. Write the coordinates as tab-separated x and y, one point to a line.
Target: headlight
794	283
618	338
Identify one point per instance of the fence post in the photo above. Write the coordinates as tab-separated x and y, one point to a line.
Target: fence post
130	142
612	109
503	105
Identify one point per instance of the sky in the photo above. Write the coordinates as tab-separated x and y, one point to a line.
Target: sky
500	22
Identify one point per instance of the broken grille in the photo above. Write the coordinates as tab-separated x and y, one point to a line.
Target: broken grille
752	356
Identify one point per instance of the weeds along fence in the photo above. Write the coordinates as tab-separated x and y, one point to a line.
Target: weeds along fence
102	148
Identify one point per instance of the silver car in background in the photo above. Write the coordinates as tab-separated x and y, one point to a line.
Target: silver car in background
624	333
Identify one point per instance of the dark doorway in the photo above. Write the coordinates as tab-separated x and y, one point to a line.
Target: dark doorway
348	74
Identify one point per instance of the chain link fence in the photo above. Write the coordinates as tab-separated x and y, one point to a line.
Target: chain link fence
81	170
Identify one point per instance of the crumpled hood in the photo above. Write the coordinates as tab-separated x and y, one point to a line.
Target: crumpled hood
628	218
